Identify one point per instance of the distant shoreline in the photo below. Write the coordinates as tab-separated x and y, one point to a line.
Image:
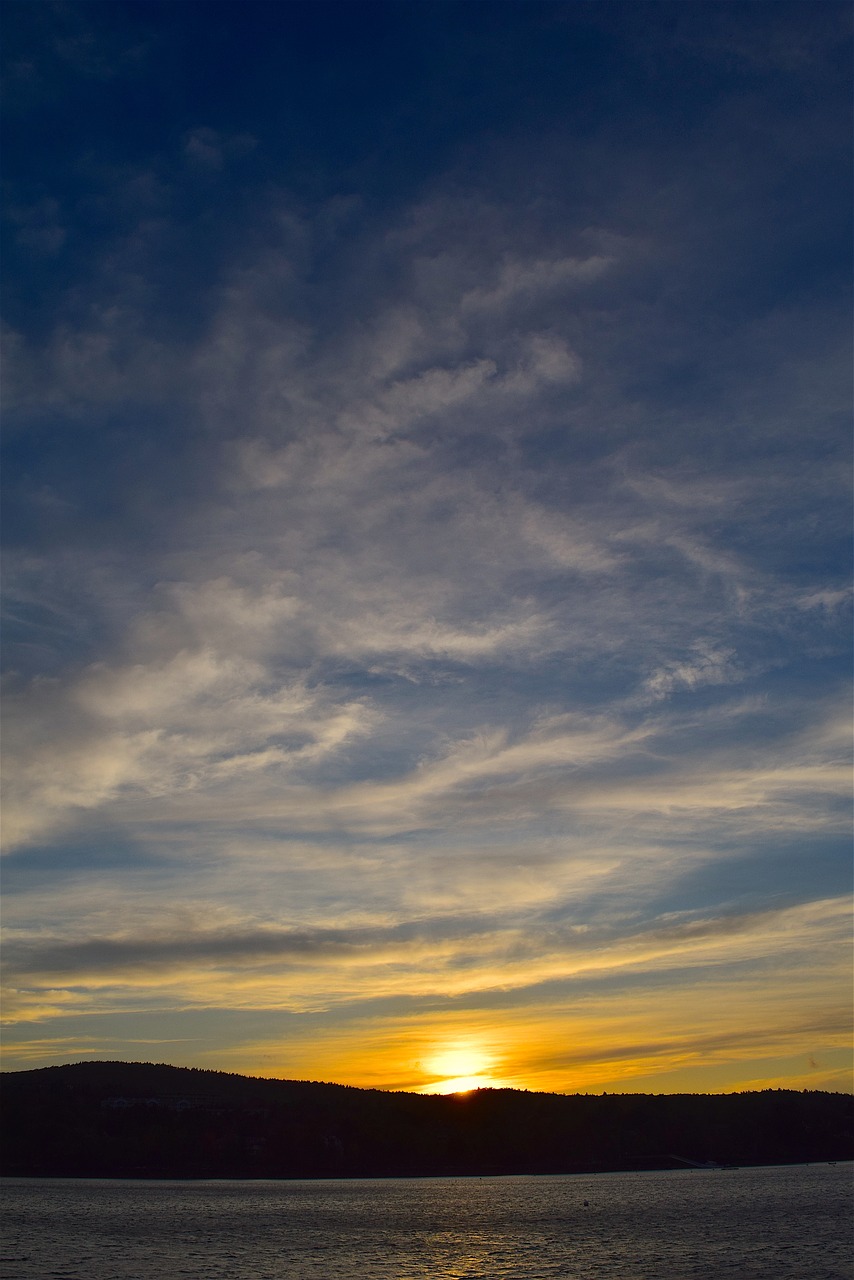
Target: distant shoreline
144	1121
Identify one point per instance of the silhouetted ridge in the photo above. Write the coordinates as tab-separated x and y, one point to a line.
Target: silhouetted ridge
130	1119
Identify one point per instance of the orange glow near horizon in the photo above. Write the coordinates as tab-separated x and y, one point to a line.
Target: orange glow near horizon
459	1069
780	1028
660	1042
461	1084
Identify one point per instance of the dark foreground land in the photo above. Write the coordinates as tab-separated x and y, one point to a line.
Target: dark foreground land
120	1119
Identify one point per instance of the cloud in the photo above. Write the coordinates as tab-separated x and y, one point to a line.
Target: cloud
203	147
433	594
704	666
447	955
196	720
625	1009
520	282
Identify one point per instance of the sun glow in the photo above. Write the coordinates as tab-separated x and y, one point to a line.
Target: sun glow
459	1070
461	1084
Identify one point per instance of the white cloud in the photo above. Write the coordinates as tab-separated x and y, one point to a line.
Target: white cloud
437	638
523	281
705	665
156	730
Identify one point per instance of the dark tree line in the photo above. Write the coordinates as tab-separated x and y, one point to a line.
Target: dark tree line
115	1119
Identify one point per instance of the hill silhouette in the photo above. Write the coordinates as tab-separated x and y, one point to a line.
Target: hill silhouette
118	1119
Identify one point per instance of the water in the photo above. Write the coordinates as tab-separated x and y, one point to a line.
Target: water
791	1223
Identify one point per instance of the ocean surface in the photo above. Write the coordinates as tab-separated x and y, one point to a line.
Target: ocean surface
794	1221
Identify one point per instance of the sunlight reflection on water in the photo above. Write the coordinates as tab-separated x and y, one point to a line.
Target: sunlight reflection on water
748	1224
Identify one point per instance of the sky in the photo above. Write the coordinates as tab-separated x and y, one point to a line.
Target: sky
427	512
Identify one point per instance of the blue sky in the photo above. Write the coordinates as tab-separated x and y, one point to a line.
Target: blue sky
427	599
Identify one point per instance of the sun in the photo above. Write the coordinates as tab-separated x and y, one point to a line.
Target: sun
458	1070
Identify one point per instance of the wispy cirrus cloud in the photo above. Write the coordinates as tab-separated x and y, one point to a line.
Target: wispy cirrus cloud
434	594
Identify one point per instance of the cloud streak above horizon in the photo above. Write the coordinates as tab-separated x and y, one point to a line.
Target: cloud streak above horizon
427	579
